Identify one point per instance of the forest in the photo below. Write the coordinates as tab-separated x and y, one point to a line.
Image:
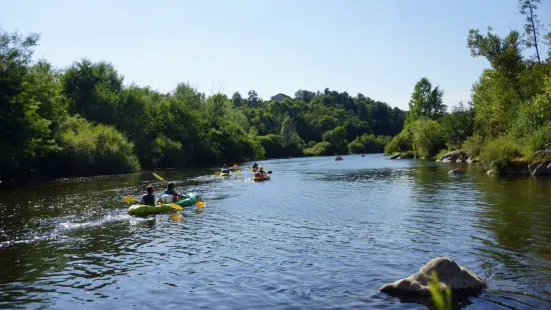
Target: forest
83	120
508	120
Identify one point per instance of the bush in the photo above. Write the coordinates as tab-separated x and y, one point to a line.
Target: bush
474	145
408	155
273	145
321	148
427	137
166	153
90	149
400	143
500	152
355	147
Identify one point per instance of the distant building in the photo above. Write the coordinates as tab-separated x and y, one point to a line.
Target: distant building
281	97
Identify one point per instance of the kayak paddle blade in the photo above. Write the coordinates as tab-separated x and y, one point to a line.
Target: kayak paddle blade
158	177
129	199
200	204
269	172
176	207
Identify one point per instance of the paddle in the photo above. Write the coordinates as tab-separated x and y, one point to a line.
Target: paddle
130	199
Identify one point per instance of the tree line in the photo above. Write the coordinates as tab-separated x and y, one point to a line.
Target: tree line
83	120
509	116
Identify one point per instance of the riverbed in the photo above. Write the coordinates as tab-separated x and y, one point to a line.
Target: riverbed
321	234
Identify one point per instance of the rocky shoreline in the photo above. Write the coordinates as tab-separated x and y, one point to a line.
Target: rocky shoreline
519	167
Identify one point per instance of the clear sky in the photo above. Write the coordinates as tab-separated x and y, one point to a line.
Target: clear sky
379	48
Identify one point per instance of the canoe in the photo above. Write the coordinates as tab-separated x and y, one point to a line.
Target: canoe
262	178
143	210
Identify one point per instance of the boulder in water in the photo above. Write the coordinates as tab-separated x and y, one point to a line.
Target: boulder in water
395	156
455	171
450	274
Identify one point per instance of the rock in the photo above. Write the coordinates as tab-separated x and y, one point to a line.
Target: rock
453	156
450	274
455	171
472	160
395	156
538	169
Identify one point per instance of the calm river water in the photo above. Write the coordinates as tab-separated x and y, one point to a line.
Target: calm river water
320	235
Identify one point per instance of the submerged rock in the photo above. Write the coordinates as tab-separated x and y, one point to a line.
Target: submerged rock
455	171
450	274
395	156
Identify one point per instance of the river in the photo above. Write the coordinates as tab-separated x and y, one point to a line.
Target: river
320	234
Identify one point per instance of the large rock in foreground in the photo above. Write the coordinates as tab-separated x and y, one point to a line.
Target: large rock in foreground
450	274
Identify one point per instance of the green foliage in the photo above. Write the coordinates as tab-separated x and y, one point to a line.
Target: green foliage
474	145
320	149
85	115
457	126
88	149
368	143
425	102
499	152
538	140
427	137
337	138
442	299
400	143
25	137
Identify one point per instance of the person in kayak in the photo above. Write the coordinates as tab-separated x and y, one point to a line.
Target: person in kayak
261	171
255	166
170	195
149	198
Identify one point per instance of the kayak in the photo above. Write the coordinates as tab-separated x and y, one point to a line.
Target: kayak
254	169
262	178
225	174
143	210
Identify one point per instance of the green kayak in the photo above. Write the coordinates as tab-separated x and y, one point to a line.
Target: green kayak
143	210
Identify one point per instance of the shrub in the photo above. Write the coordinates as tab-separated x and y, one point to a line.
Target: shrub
355	147
321	148
427	137
499	152
400	143
473	145
90	149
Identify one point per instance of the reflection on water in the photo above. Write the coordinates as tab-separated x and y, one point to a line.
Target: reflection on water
320	234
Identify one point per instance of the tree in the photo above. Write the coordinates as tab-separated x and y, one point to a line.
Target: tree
533	25
253	100
289	133
93	90
425	102
458	125
237	99
25	136
304	95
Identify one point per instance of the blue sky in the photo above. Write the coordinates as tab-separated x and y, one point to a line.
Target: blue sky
378	48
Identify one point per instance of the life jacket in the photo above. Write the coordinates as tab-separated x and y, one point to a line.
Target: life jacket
169	198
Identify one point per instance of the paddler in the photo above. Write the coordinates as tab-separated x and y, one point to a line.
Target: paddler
261	171
255	166
149	198
170	195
